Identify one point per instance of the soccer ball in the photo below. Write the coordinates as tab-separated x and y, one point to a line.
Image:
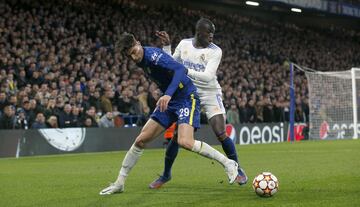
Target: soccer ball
265	184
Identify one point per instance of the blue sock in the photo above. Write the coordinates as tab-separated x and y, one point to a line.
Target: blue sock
170	155
229	149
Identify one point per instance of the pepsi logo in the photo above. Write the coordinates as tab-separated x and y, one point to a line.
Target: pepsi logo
230	132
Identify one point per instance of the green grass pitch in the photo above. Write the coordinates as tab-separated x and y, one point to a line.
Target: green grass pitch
312	173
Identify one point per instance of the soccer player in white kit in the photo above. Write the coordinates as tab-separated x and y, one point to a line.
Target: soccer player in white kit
201	57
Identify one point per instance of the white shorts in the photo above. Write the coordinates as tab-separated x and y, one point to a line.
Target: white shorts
212	102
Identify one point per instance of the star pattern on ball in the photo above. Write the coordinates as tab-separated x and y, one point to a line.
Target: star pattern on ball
265	184
256	184
267	177
267	191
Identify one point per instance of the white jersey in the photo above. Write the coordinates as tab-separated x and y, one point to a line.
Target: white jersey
202	63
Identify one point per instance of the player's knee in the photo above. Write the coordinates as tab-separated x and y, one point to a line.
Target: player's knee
187	144
139	143
221	137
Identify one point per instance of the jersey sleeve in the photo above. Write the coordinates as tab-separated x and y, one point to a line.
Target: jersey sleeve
177	53
167	49
166	62
210	69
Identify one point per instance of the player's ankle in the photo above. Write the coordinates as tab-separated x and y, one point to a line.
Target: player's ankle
120	181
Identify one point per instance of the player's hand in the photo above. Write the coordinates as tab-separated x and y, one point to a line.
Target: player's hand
164	37
163	102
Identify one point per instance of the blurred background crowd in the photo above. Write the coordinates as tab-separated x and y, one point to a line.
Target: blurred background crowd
59	67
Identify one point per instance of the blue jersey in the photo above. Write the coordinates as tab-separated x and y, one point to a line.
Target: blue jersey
167	73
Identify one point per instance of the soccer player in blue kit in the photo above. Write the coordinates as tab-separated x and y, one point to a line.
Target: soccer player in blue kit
179	103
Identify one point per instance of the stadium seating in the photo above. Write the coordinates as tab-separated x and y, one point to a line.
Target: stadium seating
56	53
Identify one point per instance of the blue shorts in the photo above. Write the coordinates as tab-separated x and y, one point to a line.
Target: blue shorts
180	110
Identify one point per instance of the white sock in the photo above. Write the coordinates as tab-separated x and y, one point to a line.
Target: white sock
207	151
128	163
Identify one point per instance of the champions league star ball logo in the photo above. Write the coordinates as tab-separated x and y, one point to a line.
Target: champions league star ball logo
68	139
231	132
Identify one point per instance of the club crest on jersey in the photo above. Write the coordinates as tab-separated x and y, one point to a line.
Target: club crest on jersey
202	57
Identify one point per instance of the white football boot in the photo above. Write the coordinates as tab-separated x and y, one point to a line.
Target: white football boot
112	189
231	169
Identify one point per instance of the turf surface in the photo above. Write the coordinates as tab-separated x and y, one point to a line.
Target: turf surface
312	173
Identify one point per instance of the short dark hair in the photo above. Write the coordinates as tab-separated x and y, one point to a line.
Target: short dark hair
125	42
204	21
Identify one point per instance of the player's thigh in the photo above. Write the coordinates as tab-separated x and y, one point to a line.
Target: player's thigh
149	132
188	119
213	104
188	112
166	118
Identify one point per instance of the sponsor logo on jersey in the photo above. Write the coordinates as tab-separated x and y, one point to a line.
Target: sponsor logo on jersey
155	57
194	66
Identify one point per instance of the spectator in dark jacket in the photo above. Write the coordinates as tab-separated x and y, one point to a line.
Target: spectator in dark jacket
268	111
7	120
243	112
52	122
94	100
251	111
39	122
66	117
21	79
89	122
3	101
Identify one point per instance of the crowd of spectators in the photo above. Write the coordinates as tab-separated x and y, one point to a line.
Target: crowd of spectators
59	66
353	2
